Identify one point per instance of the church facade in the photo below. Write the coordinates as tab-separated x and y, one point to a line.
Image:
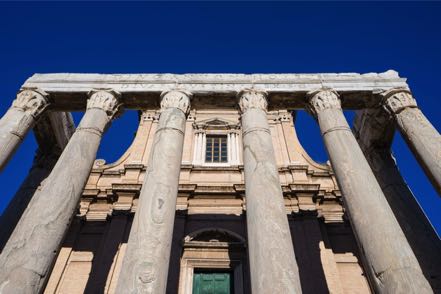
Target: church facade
216	193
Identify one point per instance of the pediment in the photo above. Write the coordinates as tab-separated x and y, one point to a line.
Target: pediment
216	123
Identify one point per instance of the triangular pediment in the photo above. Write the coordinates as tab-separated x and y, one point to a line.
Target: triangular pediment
216	122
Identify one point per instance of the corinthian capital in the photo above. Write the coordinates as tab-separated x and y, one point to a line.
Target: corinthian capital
396	100
177	99
250	98
105	99
33	101
323	99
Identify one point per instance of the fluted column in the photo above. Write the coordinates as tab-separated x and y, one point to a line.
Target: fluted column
392	265
19	119
28	255
422	138
273	265
145	265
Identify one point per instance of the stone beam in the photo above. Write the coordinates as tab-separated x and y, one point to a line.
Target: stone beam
374	129
68	91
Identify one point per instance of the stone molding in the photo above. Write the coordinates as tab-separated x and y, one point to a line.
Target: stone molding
32	101
105	99
397	99
222	82
176	98
323	99
251	98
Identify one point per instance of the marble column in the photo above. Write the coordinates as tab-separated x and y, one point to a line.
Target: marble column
33	246
52	132
273	265
374	131
146	262
391	264
19	119
421	136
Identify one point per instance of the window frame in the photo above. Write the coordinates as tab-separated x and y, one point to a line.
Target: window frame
222	143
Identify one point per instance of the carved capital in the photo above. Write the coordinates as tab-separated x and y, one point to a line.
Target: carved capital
250	98
33	101
323	99
105	99
177	99
395	100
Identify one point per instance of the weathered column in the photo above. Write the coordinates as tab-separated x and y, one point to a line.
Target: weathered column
27	257
422	138
146	262
52	133
374	132
273	265
392	265
19	119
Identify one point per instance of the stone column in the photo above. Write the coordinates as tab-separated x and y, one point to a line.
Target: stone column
146	262
374	132
392	265
32	248
52	132
422	138
19	119
273	265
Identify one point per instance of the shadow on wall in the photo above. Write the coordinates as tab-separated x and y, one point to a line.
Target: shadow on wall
90	257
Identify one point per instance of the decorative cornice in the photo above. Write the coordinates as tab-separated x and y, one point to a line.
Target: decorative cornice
32	101
323	99
395	100
251	98
105	99
176	98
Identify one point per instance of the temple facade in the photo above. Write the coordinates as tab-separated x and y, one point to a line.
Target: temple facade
216	194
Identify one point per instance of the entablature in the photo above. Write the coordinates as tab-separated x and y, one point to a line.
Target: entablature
68	91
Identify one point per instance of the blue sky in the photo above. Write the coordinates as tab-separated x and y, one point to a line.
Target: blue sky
246	37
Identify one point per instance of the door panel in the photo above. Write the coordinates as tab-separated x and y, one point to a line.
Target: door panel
212	283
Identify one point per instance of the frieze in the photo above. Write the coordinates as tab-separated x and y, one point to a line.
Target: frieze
203	83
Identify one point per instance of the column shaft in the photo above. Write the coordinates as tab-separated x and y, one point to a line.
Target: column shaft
392	265
146	263
233	149
29	254
18	120
273	265
374	130
229	147
196	148
421	136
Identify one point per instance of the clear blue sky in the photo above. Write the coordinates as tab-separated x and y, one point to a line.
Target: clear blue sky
224	37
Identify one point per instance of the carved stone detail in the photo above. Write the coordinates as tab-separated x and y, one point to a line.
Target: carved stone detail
251	98
323	99
33	101
396	100
105	99
177	99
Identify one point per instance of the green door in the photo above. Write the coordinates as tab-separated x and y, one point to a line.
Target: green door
212	283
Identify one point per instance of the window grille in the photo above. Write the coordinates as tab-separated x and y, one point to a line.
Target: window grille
216	149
